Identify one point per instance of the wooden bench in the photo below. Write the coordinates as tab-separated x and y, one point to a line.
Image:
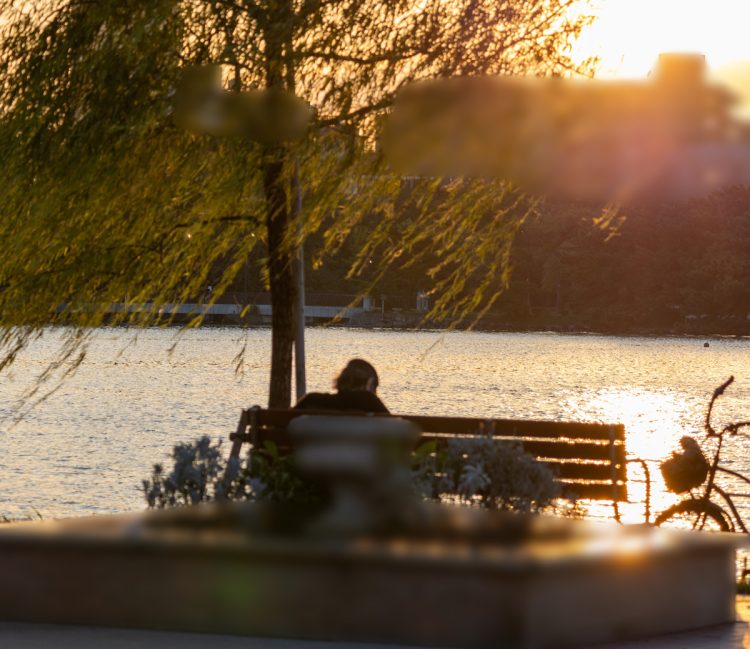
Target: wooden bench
589	460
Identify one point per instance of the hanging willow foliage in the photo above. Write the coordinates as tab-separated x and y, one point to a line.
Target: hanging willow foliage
105	200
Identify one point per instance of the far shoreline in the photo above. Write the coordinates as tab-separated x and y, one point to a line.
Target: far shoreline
623	333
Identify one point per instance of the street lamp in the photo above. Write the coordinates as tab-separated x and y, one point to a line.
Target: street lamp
271	116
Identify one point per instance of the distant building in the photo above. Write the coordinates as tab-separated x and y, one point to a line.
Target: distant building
671	135
423	302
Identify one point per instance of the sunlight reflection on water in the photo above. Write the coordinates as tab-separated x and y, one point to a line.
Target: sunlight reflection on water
86	449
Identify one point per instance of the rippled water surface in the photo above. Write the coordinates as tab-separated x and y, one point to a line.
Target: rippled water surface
86	448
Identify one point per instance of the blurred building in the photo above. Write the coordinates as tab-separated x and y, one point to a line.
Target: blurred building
671	135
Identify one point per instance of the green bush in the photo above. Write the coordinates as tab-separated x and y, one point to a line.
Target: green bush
487	472
200	473
479	471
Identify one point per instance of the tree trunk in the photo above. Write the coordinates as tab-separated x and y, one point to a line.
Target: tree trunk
279	76
281	276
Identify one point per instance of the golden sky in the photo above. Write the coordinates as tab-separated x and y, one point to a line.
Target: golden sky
629	34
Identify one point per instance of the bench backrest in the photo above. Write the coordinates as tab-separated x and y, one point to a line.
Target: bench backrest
588	459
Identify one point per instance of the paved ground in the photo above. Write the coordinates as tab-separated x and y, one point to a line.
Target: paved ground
732	636
39	636
43	636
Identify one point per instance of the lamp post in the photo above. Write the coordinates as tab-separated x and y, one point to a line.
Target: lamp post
265	116
300	381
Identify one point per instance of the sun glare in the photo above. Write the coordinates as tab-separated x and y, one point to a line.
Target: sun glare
654	420
628	35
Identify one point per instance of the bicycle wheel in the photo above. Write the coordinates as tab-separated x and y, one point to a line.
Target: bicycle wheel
693	514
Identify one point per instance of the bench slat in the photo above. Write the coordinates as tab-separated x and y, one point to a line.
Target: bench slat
547	449
471	426
555	450
518	428
566	470
596	491
577	471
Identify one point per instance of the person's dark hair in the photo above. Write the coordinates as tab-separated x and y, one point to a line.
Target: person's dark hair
356	376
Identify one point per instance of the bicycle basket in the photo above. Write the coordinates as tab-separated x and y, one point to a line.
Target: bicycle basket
686	470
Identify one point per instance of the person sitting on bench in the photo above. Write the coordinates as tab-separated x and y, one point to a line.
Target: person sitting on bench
355	390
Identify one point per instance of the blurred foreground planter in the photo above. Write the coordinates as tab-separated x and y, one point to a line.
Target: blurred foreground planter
590	584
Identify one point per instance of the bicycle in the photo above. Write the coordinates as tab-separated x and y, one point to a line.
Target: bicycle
689	470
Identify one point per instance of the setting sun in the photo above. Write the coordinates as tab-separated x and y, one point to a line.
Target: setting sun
628	35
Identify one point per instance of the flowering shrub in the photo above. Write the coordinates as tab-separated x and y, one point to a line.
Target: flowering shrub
478	471
487	472
193	479
201	474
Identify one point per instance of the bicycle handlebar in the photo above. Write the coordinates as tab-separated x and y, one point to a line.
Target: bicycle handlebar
720	390
734	428
717	393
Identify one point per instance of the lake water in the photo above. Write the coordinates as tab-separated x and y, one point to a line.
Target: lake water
86	449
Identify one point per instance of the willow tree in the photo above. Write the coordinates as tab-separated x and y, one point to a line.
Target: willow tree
105	199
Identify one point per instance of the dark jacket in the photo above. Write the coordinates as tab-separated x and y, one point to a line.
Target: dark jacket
354	400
